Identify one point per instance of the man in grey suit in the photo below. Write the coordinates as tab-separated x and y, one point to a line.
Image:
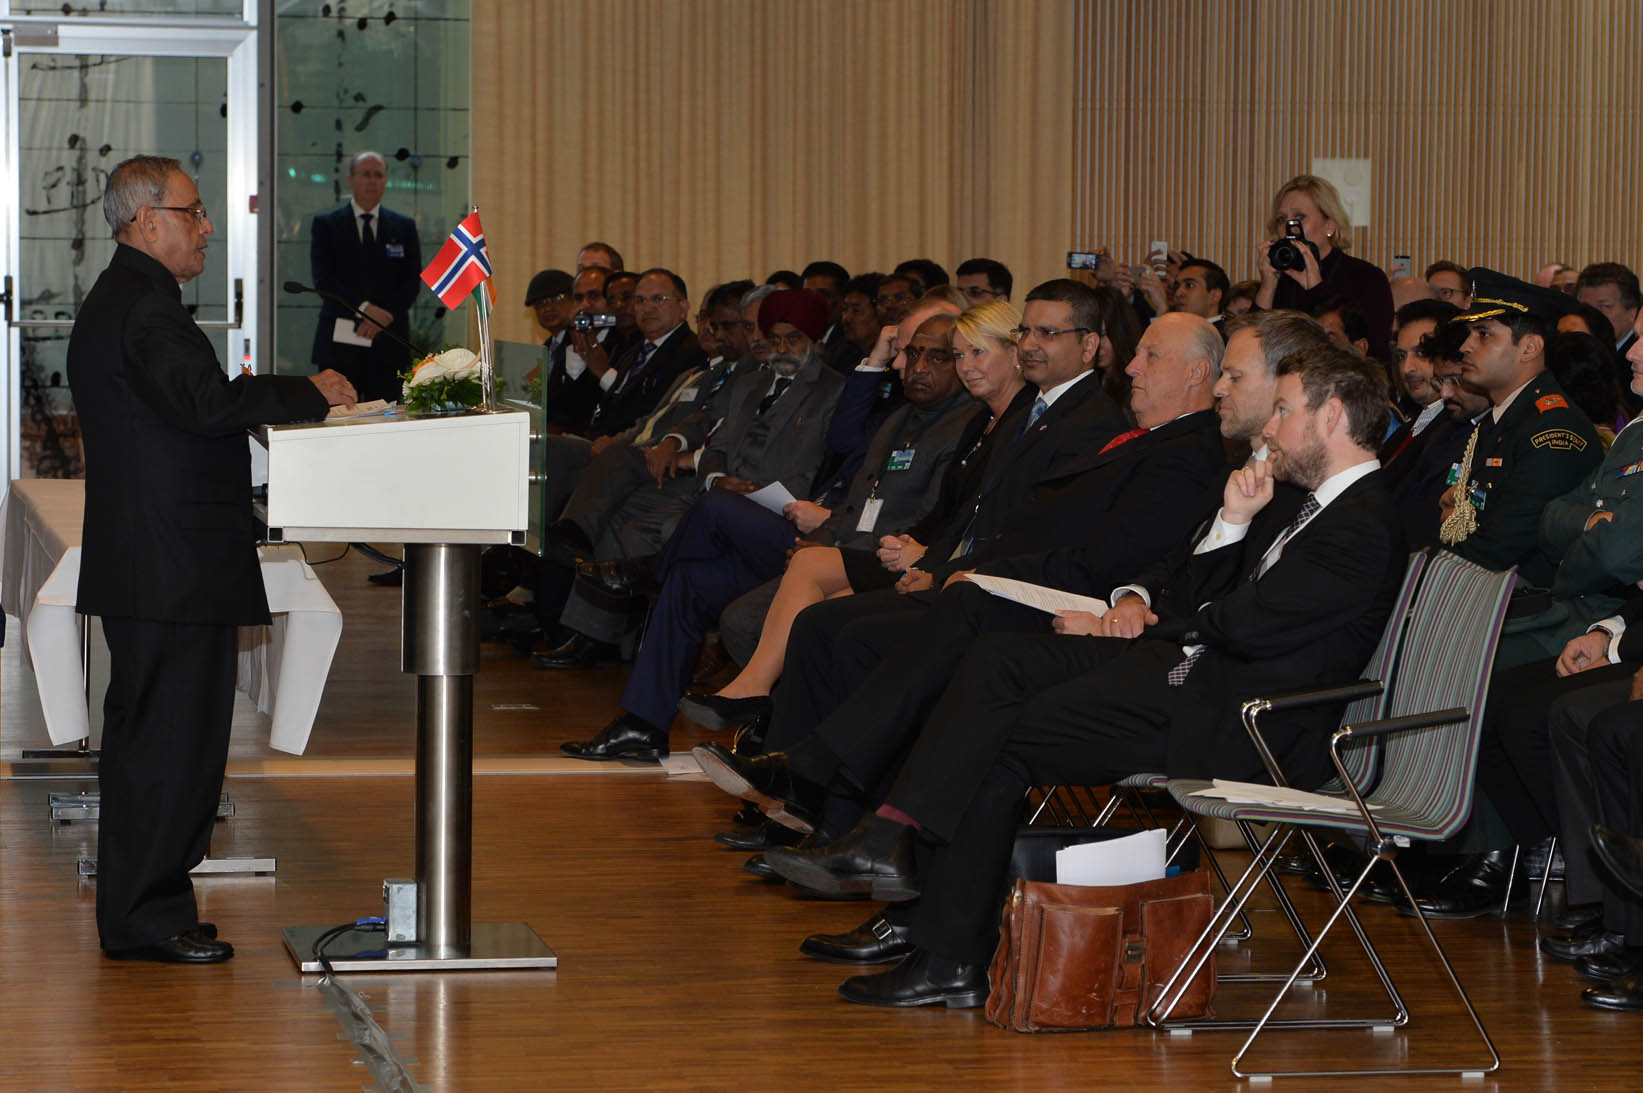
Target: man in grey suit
774	431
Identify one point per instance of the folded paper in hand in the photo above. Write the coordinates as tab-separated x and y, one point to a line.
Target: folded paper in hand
1036	595
773	497
1253	793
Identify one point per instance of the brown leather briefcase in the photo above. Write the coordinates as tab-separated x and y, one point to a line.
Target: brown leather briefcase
1072	957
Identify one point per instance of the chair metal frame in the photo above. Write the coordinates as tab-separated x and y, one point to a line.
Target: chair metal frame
1444	575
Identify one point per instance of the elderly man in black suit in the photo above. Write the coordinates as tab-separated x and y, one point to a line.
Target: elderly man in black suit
168	558
367	257
1288	588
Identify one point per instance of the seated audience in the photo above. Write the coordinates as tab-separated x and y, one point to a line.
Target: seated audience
1612	289
1326	269
984	343
896	296
1289	589
727	544
1420	455
924	273
598	254
1200	289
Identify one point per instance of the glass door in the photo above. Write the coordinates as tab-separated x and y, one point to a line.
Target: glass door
79	96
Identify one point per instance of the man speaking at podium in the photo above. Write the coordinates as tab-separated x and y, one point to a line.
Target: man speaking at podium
168	554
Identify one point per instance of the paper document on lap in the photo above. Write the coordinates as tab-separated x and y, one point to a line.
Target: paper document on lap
1036	595
1253	793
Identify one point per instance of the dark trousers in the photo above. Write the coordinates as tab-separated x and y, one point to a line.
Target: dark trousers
1515	765
724	546
166	721
831	649
869	731
1616	741
1021	711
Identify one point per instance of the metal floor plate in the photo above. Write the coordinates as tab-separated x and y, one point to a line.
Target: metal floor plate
511	946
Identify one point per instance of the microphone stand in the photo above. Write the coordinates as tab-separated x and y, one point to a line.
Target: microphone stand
297	288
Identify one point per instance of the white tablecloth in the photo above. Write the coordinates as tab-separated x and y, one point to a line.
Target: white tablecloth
282	667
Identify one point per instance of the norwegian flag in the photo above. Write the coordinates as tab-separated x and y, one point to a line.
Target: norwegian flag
461	265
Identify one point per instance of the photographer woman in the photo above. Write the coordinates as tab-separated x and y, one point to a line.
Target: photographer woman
1326	269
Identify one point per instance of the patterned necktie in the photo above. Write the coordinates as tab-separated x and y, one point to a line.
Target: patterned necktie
1463	518
1309	509
782	384
367	236
1039	406
638	366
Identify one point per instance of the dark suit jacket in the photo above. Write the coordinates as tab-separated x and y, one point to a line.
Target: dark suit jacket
169	534
785	445
837	351
569	402
1017	508
964	478
1540	450
1420	474
907	492
389	275
638	390
1138	502
1311	621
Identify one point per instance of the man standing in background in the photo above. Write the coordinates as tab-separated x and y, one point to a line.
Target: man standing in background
367	266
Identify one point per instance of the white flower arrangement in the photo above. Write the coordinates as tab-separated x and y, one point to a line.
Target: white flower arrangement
444	383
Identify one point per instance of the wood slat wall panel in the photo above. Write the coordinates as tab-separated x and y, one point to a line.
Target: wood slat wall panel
1501	132
727	138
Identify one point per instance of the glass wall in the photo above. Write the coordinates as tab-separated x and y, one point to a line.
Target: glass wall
389	76
79	115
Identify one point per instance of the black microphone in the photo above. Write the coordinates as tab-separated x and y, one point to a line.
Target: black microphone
297	288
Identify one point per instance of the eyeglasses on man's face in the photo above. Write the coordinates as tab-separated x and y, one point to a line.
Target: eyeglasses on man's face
793	342
196	211
1047	333
655	299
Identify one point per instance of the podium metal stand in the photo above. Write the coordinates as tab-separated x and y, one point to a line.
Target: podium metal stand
476	484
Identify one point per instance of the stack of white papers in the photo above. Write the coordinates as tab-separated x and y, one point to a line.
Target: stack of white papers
1129	860
1036	595
773	497
1253	793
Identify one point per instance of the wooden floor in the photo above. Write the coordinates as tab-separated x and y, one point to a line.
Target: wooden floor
677	970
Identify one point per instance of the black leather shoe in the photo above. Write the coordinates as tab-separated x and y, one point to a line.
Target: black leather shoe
876	857
1607	967
790	801
1474	887
758	867
622	576
920	980
749	815
565	542
209	929
1572	946
1625	993
1622	854
579	651
714	712
191	946
763	837
876	941
1580	916
627	737
388	578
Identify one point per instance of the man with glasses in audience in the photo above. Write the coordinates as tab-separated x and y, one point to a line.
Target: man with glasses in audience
1451	283
983	280
896	295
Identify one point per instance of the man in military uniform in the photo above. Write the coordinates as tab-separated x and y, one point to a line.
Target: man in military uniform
1532	447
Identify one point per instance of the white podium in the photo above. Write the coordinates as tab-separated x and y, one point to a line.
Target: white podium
444	487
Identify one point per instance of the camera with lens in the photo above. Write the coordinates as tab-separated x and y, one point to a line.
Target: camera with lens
592	320
1286	252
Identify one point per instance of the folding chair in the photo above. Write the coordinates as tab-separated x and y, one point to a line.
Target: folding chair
1430	736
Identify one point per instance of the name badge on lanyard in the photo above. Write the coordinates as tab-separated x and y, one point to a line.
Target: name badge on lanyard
900	459
870	513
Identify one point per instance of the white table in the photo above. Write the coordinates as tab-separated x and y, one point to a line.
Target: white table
282	667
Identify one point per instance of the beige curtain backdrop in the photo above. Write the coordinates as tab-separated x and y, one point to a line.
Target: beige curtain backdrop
1500	132
730	138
